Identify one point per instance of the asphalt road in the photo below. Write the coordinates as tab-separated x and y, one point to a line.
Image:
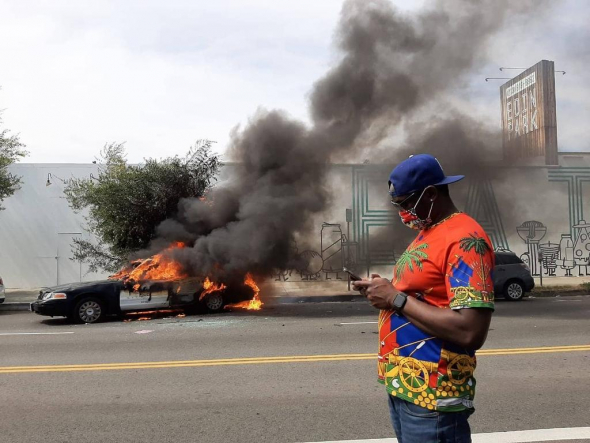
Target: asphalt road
277	395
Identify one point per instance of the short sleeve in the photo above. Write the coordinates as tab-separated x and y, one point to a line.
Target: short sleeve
470	263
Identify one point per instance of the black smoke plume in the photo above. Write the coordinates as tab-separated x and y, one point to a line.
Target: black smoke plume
395	72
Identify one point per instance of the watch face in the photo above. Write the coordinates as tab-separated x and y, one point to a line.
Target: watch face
399	301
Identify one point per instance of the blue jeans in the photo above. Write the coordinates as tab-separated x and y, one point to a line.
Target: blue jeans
415	424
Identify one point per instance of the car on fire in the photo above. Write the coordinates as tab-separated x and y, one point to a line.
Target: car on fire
92	302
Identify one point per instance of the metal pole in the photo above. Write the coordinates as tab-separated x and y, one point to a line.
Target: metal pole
541	268
348	249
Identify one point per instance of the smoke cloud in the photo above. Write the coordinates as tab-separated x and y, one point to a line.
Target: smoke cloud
395	72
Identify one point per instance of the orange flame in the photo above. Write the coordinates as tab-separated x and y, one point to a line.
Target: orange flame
209	287
162	267
251	305
158	267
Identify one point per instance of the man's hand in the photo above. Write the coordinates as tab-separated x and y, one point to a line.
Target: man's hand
378	290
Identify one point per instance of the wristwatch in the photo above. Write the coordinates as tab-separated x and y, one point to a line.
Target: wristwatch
400	301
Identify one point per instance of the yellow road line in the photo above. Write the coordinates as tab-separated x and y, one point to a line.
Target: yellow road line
539	350
260	360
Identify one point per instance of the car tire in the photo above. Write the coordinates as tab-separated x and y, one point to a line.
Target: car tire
88	310
513	290
214	302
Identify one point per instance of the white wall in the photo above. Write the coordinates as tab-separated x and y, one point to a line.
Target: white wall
36	228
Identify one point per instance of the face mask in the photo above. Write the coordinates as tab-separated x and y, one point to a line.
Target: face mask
411	219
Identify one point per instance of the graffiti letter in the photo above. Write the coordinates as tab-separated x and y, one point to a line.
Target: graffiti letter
533	105
525	123
534	121
516	116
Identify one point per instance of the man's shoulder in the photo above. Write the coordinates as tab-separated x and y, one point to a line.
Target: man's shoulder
465	226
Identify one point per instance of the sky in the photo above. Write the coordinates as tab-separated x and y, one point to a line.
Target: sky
160	75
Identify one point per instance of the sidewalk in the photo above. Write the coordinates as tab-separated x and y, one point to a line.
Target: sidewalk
275	292
19	299
574	281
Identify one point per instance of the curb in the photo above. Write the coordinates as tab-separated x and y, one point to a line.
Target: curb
283	300
556	293
15	306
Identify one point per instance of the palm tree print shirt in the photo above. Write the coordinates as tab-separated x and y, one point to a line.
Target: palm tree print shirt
448	266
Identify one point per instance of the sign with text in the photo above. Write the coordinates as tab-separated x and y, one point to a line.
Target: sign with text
529	121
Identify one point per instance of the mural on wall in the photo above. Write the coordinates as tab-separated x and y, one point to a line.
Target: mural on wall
368	218
335	252
347	245
483	206
569	253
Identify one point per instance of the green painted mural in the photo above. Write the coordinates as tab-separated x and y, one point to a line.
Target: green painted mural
574	177
354	241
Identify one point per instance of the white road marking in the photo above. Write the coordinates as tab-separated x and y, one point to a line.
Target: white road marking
360	323
144	331
555	434
35	333
534	435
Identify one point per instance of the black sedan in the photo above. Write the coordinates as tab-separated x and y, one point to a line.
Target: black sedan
93	301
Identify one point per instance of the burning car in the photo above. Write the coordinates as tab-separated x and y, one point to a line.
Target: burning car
154	284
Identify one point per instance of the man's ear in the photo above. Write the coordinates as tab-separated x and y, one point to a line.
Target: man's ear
431	193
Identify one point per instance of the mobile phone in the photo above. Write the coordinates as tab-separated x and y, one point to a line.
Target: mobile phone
353	277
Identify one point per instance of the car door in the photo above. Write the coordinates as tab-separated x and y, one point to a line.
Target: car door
143	300
500	273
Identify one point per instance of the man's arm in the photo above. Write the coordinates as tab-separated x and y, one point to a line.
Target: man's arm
467	327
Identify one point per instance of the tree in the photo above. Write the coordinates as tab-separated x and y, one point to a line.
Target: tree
11	149
126	202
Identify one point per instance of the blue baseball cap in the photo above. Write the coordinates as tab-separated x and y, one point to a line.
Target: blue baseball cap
416	173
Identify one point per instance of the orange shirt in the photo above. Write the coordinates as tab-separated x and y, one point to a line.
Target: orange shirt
448	265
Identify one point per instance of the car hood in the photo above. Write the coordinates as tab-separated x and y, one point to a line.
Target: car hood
81	285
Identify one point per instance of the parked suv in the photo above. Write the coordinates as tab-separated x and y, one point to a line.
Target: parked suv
512	277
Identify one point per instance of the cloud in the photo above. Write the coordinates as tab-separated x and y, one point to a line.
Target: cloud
160	75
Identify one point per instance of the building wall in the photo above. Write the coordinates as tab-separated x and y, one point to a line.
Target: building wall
37	227
526	209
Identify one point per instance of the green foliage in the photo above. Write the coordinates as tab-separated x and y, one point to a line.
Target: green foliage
479	244
11	149
126	202
410	258
586	286
481	248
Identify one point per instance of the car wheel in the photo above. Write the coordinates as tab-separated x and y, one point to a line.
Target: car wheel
88	310
214	301
513	290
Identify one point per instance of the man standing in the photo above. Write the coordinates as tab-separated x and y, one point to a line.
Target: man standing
437	310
